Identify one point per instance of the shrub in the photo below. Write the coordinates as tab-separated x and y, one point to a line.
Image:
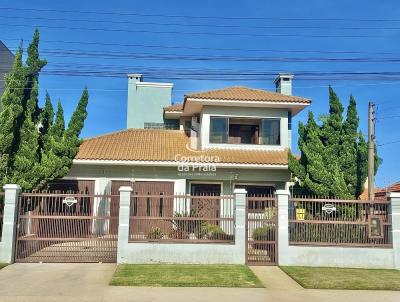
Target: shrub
155	233
214	232
265	233
270	213
186	227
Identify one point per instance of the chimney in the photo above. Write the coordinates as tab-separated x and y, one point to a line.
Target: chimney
146	101
135	77
283	83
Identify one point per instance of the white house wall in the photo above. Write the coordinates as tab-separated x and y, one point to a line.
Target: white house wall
249	112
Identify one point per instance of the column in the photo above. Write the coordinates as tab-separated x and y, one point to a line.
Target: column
394	198
240	223
123	227
7	247
283	226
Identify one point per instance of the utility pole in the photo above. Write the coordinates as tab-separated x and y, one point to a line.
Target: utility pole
371	150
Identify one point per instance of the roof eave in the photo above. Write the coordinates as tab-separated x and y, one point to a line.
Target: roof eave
176	163
294	107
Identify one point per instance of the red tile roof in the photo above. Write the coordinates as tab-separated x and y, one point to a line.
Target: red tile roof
239	93
165	145
174	108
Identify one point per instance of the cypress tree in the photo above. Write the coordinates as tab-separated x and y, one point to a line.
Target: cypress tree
333	158
35	148
27	155
14	91
75	126
349	152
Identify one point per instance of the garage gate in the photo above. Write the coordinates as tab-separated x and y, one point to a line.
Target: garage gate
73	224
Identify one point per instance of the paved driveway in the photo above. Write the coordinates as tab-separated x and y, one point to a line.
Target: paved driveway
89	282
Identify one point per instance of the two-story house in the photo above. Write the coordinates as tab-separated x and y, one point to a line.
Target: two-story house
213	142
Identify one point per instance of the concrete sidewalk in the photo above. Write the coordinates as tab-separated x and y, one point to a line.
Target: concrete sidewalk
89	282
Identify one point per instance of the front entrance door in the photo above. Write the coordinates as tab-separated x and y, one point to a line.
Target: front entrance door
203	206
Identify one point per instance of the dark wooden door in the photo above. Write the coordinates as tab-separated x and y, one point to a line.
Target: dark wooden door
152	199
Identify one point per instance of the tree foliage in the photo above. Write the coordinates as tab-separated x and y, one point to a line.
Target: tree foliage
333	159
35	146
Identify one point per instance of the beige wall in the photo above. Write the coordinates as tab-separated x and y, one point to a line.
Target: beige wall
228	177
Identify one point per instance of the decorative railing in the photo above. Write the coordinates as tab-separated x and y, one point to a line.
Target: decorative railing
182	218
332	222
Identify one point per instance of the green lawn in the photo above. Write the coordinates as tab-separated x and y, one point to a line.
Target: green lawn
3	265
344	278
169	275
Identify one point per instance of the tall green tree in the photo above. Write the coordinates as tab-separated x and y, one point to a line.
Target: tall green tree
10	117
35	147
333	160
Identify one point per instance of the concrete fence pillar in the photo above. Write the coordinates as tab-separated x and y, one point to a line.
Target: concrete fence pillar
240	222
7	245
394	198
123	227
283	226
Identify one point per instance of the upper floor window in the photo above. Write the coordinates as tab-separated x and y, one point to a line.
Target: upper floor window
218	130
271	132
244	131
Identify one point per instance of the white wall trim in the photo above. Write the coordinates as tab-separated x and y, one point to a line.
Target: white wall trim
174	164
153	84
258	184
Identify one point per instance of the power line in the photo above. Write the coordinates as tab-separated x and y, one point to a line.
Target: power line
388	117
319	26
251	18
206	48
389	143
231	34
170	56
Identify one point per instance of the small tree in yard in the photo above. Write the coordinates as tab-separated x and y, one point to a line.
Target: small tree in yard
333	159
35	148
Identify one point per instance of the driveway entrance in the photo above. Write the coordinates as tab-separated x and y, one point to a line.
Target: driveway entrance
66	228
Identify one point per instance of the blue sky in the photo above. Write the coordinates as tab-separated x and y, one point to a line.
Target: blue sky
161	38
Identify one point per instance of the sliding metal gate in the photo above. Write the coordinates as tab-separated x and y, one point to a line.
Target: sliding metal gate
262	228
67	228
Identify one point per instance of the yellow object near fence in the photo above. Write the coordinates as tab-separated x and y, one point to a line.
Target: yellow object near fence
300	213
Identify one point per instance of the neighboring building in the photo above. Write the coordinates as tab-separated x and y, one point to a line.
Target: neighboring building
382	193
6	61
221	140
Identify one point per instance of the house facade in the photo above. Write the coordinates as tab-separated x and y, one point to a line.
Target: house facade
213	142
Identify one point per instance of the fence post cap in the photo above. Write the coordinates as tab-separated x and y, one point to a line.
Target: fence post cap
11	187
125	189
393	194
282	192
239	191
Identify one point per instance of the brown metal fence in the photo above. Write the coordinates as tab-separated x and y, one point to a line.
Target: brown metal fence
1	213
262	228
182	218
66	228
331	222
